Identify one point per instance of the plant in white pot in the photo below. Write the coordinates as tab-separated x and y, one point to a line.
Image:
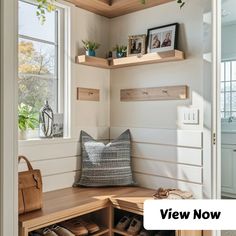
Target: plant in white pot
27	119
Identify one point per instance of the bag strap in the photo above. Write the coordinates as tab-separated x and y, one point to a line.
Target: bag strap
27	162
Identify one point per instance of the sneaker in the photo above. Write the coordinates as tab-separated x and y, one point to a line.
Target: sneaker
60	231
75	227
134	226
123	223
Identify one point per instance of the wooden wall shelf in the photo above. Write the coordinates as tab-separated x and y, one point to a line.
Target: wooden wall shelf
154	94
114	8
150	58
88	94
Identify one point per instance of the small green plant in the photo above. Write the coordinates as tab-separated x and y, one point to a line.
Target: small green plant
120	49
90	45
26	117
43	7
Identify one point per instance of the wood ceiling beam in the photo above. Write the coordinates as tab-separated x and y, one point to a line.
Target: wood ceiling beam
114	8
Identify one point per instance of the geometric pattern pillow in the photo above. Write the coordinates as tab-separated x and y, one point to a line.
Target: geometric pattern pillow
106	165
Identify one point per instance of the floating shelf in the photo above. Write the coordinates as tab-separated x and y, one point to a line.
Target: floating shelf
149	58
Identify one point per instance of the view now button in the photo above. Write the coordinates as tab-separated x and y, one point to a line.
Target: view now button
190	214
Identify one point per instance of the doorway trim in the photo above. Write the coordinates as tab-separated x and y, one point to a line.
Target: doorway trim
8	118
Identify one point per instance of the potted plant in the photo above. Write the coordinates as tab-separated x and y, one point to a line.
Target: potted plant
90	47
26	120
120	51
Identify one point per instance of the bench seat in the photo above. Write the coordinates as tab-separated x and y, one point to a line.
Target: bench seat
67	203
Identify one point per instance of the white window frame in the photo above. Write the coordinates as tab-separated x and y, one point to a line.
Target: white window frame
63	63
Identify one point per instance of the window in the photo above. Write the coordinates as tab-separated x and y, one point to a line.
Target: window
228	89
40	77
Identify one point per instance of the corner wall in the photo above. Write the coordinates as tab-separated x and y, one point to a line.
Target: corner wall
162	155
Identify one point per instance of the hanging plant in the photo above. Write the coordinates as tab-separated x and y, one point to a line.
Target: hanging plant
43	7
180	2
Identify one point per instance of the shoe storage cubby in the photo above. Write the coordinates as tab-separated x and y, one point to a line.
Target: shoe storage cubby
97	221
131	224
104	207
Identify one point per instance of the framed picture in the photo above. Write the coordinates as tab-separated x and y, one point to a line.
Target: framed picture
163	38
137	45
58	125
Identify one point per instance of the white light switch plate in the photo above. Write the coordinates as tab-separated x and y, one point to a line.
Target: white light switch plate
190	116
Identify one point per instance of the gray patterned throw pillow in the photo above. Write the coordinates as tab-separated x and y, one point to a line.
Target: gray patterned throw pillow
106	165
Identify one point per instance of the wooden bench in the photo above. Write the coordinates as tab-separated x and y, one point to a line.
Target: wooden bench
68	203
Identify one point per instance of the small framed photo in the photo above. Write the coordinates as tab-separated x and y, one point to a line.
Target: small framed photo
58	125
137	45
163	38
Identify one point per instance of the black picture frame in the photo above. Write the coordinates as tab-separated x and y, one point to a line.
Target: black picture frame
161	31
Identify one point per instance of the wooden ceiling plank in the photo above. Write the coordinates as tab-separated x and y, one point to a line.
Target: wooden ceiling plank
114	8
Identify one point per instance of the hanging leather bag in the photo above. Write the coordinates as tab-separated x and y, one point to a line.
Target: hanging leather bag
30	196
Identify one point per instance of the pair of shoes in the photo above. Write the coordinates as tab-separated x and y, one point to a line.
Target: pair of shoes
55	230
123	223
80	227
133	225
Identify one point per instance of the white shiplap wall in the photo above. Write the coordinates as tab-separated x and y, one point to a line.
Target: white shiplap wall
166	158
58	159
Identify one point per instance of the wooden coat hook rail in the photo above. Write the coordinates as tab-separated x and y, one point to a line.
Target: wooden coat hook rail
88	94
152	94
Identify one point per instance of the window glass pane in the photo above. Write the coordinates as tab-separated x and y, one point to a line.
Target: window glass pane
37	74
222	100
30	25
234	70
35	90
36	58
227	101
222	86
222	115
227	86
234	86
227	115
234	101
227	71
222	71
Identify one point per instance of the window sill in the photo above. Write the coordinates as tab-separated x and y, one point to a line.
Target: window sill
46	141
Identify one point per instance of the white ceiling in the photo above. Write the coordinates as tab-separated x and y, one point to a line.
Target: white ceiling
228	11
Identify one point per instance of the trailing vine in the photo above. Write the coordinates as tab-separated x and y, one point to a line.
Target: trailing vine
43	7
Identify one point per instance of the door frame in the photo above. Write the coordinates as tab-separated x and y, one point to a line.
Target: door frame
216	116
8	118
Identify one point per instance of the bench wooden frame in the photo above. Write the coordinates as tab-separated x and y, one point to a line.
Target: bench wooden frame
68	203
